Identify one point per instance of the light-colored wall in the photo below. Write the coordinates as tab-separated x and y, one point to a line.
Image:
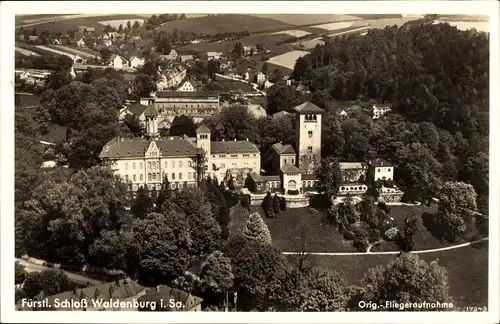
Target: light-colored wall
233	161
287	159
187	87
303	140
292	177
352	189
381	172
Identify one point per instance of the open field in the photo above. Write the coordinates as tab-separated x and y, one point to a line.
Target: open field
309	43
85	54
92	21
123	22
335	25
377	16
382	23
235	85
467	270
293	33
464	18
349	31
465	25
225	24
55	51
302	19
288	59
25	51
37	50
26	101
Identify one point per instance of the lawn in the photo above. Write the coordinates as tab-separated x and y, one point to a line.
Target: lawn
288	59
70	24
226	23
26	101
467	270
234	85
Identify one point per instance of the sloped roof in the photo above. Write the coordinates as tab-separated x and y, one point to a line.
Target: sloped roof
151	111
186	58
256	177
136	147
182	94
281	114
203	129
233	147
352	165
308	107
137	109
379	162
288	168
283	149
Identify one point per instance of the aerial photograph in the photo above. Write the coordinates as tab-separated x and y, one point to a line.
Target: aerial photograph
251	162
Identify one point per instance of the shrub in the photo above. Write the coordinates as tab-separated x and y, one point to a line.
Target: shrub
361	244
360	230
283	203
391	234
293	192
245	201
349	235
374	234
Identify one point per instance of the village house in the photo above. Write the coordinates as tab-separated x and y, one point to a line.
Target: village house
136	62
135	109
214	55
56	41
188	86
107	42
261	78
80	42
118	61
288	80
172	56
379	111
171	77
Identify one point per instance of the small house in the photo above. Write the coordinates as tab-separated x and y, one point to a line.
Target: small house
136	62
118	62
261	78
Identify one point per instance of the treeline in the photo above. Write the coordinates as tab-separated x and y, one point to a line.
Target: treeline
155	21
297	39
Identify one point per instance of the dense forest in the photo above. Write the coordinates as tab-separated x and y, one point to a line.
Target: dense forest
435	77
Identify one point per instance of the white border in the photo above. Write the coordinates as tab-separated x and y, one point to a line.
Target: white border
9	9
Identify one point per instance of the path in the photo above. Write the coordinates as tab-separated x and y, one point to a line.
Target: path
25	51
31	267
393	252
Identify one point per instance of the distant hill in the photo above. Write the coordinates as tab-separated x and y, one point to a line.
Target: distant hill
301	19
224	23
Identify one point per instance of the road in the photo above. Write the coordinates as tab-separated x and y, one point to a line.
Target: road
31	267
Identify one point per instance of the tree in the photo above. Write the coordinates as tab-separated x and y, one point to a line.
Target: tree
238	49
406	236
283	98
143	203
108	29
234	122
256	229
129	25
20	273
324	293
110	250
133	124
165	194
329	177
61	76
276	204
267	205
120	28
144	85
407	279
106	54
230	183
50	281
136	25
163	43
182	125
216	277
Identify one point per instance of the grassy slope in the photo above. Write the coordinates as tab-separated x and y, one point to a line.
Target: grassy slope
64	25
301	19
226	23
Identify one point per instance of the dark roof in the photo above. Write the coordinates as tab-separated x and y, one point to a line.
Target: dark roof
378	162
197	94
137	109
166	294
271	178
123	288
203	129
136	147
150	111
283	149
281	114
228	147
308	107
186	58
288	168
309	177
256	177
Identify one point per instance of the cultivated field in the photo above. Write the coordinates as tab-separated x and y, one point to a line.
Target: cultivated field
302	20
74	51
55	51
349	31
293	33
117	23
287	60
466	25
335	25
83	20
309	43
382	23
25	51
225	24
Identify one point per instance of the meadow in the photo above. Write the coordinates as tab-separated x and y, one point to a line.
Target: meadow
288	59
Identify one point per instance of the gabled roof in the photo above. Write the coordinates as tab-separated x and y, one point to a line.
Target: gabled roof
281	114
308	107
352	165
136	147
233	147
203	129
150	111
137	109
288	168
379	162
283	149
256	177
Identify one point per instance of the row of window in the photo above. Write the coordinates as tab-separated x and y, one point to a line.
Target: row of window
311	117
293	161
169	105
235	165
353	188
156	176
179	185
152	165
383	170
232	155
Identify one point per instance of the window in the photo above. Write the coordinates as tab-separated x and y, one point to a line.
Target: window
126	165
309	149
154	176
126	177
158	165
378	170
285	161
173	176
149	176
293	161
342	188
310	133
149	165
190	164
140	177
303	184
189	175
134	177
133	166
194	175
234	155
173	164
309	184
180	176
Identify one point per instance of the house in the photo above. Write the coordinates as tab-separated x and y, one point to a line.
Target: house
246	76
187	58
256	111
56	41
118	62
172	56
171	77
104	36
214	55
268	84
33	38
188	86
80	42
288	80
343	114
136	62
135	109
249	50
353	179
379	111
261	78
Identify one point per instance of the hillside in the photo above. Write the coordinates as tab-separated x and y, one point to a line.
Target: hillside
302	20
226	23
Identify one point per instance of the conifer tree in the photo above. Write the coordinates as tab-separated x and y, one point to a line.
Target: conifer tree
276	204
256	229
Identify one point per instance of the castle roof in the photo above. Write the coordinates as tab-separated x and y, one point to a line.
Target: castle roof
151	111
379	162
228	147
308	107
203	129
288	168
283	149
136	147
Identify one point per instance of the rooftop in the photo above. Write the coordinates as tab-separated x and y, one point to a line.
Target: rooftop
203	129
352	165
308	107
150	111
288	168
137	109
136	147
228	147
283	149
379	162
182	94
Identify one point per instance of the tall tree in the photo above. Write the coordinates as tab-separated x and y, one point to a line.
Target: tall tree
256	229
182	125
216	277
19	273
50	281
143	203
329	177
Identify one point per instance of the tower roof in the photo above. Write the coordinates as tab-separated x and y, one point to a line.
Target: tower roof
308	108
150	111
202	129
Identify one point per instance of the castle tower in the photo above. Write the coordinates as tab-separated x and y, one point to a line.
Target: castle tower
308	137
203	142
151	116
